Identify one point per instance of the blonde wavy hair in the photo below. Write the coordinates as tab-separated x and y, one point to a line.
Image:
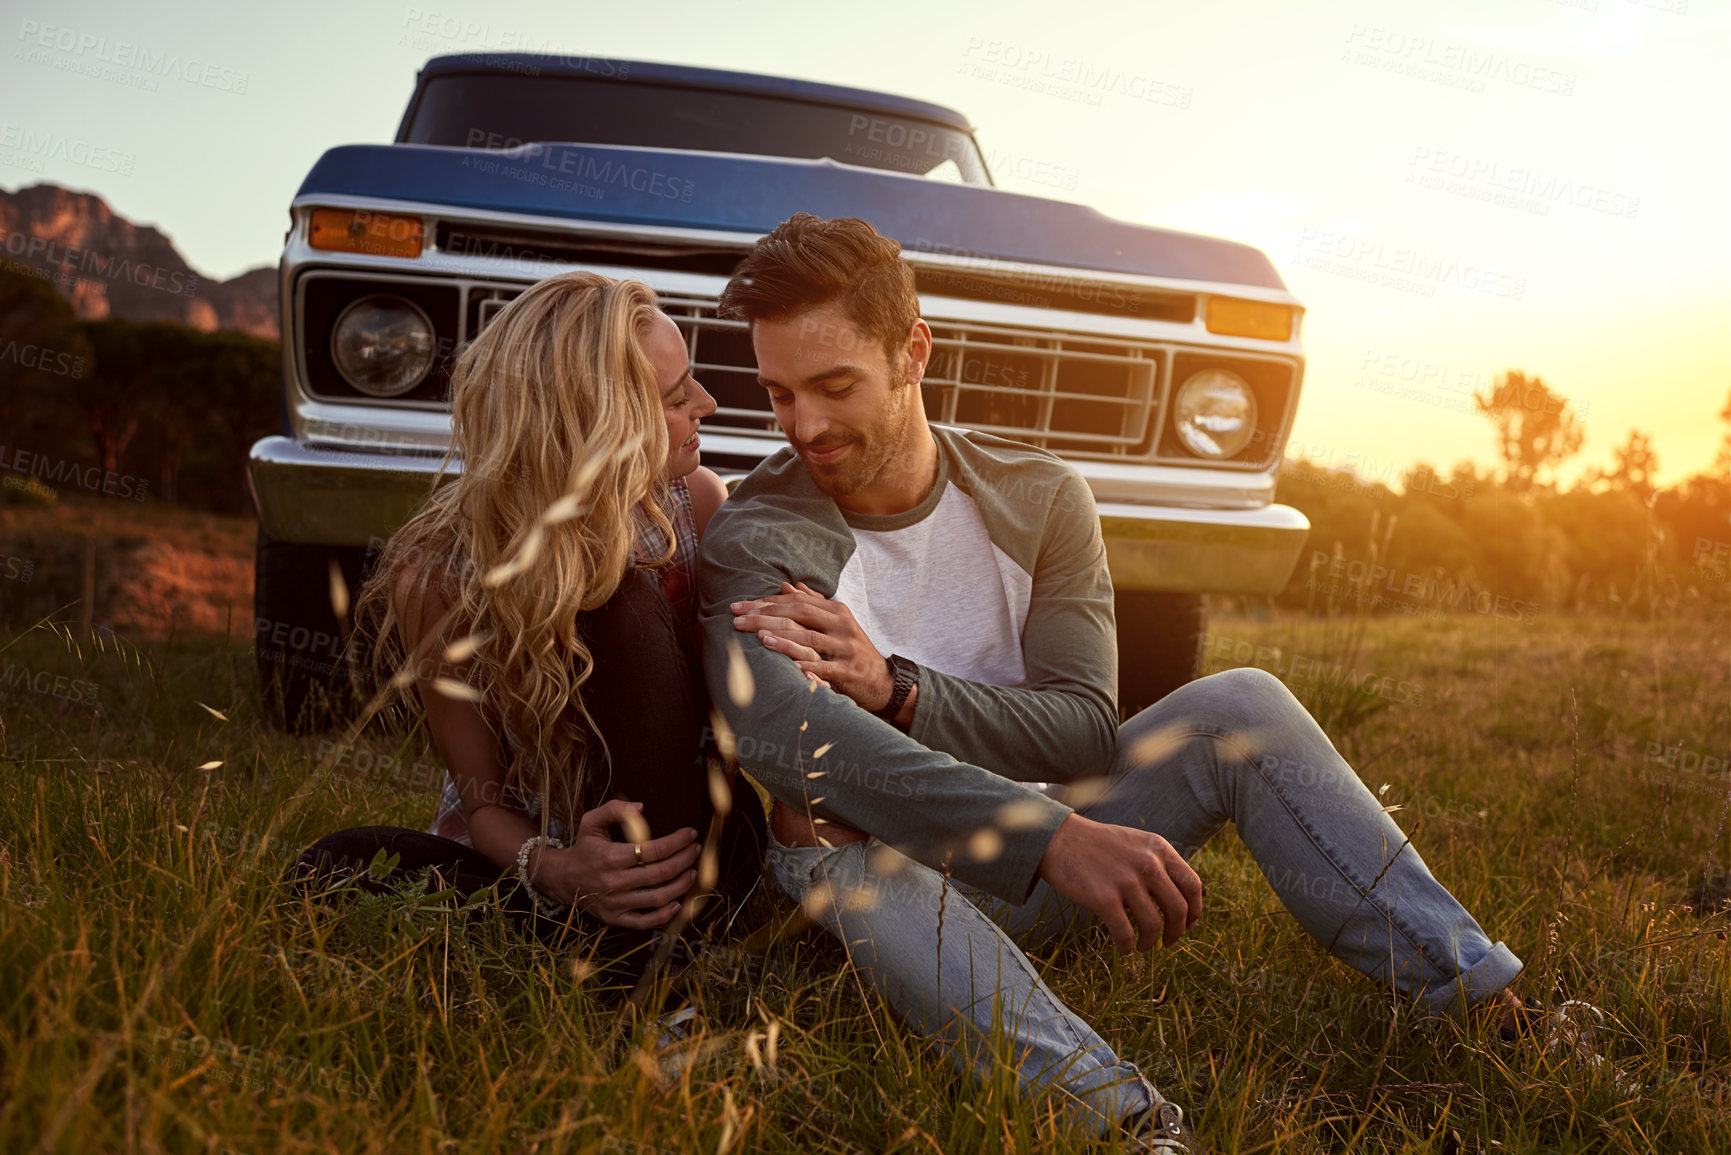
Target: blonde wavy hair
557	419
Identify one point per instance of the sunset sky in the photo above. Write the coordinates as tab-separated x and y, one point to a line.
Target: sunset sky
1317	131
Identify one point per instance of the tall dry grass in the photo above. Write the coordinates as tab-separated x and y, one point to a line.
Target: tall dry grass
162	993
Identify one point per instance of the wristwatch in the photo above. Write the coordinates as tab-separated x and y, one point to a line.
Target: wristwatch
906	676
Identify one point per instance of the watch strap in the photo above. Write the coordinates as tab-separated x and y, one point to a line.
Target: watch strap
905	675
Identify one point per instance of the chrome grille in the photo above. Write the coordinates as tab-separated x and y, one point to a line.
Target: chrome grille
1053	391
1079	395
1063	392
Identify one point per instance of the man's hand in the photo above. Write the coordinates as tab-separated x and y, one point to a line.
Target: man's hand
823	639
1141	888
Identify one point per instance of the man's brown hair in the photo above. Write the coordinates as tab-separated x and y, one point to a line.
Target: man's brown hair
807	262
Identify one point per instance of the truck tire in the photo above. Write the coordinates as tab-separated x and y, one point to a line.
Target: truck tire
1159	645
298	642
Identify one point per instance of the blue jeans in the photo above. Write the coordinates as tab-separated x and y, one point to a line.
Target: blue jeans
1234	747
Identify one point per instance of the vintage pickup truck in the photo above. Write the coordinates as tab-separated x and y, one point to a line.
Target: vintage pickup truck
1164	365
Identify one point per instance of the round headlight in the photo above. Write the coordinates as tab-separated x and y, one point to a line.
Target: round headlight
383	345
1215	414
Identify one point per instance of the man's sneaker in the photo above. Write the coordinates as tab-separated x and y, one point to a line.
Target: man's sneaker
670	1041
1570	1028
1163	1130
1571	1025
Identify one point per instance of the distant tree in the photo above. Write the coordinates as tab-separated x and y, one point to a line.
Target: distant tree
1634	464
175	392
1602	542
230	393
42	358
1697	514
174	405
1536	428
1722	462
30	310
109	400
1468	480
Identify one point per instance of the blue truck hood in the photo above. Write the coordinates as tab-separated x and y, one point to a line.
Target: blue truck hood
751	195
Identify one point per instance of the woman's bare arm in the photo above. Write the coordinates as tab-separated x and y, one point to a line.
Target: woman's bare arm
597	873
708	491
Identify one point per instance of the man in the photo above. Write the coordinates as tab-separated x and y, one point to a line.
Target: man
909	629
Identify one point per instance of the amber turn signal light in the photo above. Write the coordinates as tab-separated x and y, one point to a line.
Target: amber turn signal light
359	231
1232	317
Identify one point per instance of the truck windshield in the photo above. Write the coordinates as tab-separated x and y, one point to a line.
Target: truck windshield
502	111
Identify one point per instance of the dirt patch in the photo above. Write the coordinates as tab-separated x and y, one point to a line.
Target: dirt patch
165	588
154	572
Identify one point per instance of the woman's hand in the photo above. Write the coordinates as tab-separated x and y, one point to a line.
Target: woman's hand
822	638
604	878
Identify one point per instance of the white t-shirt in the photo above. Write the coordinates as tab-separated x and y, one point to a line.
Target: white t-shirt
917	592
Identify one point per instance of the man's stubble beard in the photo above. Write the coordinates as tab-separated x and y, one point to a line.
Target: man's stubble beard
877	449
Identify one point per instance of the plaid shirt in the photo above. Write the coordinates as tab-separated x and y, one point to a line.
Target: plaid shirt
678	583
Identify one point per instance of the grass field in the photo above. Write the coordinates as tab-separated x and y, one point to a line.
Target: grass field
162	994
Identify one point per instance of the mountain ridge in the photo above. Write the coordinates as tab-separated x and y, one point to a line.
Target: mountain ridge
107	266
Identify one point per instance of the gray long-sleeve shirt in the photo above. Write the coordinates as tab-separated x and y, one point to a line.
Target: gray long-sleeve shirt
961	767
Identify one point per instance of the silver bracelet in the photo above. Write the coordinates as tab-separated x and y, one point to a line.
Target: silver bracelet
547	907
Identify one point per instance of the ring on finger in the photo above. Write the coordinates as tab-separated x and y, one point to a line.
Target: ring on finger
637	849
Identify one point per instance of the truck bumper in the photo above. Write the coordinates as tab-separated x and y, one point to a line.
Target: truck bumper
330	497
1221	551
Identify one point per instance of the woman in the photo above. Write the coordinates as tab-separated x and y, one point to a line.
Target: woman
544	604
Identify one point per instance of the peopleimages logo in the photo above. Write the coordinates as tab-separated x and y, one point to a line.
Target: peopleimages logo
1380	586
1416	376
576	165
1025	276
424	30
1520	187
890	139
23	143
1070	77
69	689
1452	64
100	266
42	359
92	477
1304	670
226	1061
1033	169
125	54
1404	267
